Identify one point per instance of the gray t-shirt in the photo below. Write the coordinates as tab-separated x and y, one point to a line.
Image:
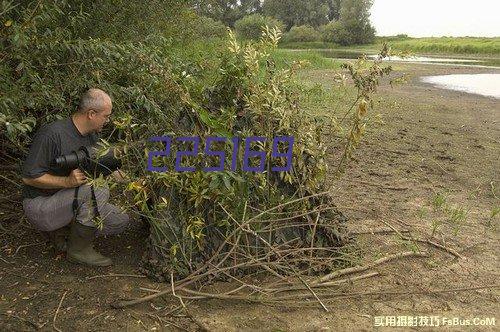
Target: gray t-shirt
52	140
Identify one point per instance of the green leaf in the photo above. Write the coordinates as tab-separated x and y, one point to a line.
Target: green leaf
225	178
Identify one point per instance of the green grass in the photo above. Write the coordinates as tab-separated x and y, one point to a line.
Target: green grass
443	45
462	45
439	200
307	45
329	46
315	60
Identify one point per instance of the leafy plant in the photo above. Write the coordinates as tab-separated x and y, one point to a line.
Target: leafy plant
302	33
251	26
439	200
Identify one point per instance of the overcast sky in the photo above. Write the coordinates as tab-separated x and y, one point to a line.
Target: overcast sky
423	18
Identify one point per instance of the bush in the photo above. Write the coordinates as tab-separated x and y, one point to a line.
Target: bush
360	32
193	214
335	32
206	27
346	33
303	33
251	26
45	69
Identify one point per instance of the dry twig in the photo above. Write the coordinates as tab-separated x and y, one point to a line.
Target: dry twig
57	312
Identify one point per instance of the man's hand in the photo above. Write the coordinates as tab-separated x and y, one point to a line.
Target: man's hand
75	179
120	176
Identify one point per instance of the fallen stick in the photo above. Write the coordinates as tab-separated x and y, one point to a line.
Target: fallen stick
123	304
355	269
116	275
380	231
351	279
332	296
437	245
326	284
188	313
432	243
57	312
26	246
380	185
437	291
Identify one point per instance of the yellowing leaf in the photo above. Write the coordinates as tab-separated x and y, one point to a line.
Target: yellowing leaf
8	23
362	108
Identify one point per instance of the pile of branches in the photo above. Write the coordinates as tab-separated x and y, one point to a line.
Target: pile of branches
220	225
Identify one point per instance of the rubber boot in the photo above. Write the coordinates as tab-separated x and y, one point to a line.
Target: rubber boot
80	248
58	238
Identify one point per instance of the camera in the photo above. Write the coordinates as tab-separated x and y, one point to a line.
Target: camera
86	159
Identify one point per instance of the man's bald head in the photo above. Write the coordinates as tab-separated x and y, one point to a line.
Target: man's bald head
94	99
93	112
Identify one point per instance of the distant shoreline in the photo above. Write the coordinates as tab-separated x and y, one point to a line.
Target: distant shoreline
430	45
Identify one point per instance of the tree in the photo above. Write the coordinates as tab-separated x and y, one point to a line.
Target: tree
251	26
227	11
297	12
353	25
355	19
334	9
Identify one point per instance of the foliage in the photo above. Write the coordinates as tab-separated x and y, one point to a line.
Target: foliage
193	215
308	45
453	215
207	27
190	211
444	45
298	12
303	33
334	9
453	45
310	59
228	11
293	12
353	26
335	32
46	64
251	26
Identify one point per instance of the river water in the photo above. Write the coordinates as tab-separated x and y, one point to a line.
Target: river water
481	84
481	62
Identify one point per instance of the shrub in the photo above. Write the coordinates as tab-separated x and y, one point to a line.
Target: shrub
251	26
206	27
45	68
347	33
335	32
303	33
192	214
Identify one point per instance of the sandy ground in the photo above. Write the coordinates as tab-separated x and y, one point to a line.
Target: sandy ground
431	162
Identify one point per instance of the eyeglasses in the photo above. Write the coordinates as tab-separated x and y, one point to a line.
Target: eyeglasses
108	117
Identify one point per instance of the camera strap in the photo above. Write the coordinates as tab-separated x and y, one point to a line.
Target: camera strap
93	200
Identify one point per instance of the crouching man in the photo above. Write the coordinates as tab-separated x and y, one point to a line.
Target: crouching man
49	193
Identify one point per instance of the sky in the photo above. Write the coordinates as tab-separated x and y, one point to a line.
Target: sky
435	18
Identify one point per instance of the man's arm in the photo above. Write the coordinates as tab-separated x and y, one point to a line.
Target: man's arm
48	181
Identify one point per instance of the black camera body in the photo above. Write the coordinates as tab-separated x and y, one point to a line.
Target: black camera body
85	158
